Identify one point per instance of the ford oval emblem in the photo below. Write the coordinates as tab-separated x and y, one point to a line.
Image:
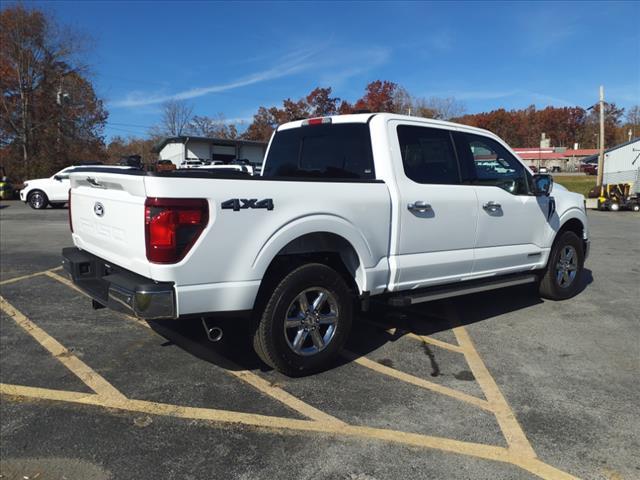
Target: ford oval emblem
98	209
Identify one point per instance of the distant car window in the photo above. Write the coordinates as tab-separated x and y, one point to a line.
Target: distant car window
340	151
428	155
491	164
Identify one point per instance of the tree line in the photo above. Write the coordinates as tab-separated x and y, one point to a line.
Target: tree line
51	117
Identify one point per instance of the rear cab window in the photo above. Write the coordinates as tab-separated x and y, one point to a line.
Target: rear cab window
328	151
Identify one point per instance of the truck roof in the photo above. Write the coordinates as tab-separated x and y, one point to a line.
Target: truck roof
365	117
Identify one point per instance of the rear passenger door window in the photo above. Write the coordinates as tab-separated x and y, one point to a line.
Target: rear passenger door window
490	164
428	155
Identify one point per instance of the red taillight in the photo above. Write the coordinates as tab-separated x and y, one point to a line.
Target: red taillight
70	220
172	225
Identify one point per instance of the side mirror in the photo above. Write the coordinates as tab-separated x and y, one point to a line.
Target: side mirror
542	184
57	177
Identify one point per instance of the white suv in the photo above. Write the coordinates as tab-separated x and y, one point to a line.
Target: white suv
54	190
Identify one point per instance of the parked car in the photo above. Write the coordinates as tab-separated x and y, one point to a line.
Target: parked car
543	170
192	164
6	187
54	190
349	209
590	168
165	165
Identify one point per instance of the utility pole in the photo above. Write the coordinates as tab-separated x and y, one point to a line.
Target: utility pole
601	153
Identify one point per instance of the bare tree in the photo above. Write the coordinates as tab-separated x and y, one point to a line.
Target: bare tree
176	116
445	108
217	127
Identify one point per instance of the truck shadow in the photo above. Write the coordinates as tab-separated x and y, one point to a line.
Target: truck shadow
370	331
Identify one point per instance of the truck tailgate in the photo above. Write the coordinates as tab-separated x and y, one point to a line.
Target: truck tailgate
107	214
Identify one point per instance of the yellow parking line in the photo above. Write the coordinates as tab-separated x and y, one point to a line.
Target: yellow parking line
25	277
419	382
487	452
246	376
284	397
91	378
513	433
415	336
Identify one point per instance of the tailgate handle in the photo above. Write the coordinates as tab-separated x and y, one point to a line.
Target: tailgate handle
95	183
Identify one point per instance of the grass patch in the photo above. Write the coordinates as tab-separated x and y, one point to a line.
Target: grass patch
576	184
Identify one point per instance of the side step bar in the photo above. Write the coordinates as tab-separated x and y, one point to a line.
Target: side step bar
405	299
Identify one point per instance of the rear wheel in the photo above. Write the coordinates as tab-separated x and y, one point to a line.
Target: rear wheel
561	280
38	200
306	320
614	206
636	207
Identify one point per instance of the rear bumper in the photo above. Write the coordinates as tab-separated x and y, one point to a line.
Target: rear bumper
119	289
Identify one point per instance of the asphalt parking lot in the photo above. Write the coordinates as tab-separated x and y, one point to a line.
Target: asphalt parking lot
495	385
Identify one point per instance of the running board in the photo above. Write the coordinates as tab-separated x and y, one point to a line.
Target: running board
405	299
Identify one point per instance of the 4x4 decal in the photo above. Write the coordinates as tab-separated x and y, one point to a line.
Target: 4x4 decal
237	204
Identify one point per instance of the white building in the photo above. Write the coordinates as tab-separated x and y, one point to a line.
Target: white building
622	164
183	148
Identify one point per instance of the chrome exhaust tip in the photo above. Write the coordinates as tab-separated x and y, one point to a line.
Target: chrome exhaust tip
214	334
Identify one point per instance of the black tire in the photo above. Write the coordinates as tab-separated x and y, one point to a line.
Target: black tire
635	207
57	205
276	346
38	200
557	283
614	206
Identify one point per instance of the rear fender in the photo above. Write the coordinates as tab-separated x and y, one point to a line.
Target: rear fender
317	224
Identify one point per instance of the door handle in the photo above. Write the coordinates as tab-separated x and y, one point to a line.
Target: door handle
419	207
492	206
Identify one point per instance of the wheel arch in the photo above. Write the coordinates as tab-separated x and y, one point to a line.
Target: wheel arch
324	239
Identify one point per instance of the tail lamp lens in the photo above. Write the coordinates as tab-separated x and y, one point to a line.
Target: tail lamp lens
172	226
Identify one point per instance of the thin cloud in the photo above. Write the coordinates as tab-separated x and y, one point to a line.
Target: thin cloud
290	65
359	61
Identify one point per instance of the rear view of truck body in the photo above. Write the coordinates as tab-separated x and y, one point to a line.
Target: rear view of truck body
249	221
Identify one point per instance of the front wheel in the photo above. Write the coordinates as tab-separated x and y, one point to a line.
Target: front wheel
38	200
561	280
306	320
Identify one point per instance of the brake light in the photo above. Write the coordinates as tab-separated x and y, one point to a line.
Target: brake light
317	121
70	220
172	226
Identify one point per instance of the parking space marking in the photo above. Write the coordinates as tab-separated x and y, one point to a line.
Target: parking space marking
284	397
90	377
26	277
246	376
511	429
519	451
417	381
424	338
487	452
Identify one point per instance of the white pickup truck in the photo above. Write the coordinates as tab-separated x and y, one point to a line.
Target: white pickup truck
347	207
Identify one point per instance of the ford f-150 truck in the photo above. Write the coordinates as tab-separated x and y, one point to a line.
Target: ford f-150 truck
347	208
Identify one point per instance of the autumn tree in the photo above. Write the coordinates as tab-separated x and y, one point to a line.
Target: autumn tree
321	103
120	147
50	114
380	96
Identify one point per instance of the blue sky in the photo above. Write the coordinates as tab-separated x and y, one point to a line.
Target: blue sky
230	58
